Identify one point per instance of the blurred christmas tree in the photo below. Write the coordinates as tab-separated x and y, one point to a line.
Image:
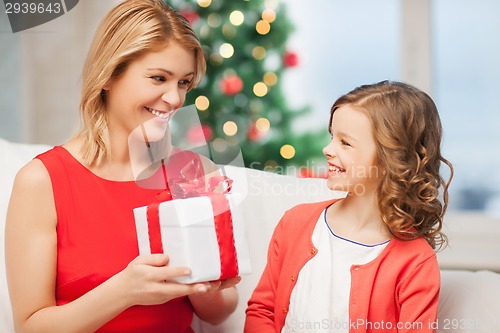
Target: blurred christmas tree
240	102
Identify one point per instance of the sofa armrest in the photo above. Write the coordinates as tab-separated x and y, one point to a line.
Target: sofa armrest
469	302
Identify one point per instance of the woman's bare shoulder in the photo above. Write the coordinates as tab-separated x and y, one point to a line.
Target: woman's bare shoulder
31	201
32	175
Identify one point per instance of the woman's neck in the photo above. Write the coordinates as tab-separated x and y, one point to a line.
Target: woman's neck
117	168
119	147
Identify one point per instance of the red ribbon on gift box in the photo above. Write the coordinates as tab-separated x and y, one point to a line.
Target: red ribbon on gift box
187	187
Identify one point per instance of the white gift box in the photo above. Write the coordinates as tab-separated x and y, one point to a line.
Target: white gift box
189	238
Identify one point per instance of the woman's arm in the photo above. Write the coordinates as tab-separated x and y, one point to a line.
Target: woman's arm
31	252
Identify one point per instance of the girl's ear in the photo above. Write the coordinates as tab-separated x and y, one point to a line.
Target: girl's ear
106	86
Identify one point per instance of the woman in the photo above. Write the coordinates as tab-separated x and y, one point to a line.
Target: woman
71	246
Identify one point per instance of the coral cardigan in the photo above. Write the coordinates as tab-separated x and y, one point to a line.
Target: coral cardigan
396	292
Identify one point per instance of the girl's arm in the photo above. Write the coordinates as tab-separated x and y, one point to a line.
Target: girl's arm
31	254
418	296
260	310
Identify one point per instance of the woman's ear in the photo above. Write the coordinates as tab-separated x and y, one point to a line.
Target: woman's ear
105	89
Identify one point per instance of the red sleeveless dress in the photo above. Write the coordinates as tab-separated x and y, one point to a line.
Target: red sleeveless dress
96	238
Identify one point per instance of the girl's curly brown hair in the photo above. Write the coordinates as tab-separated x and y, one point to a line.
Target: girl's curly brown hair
408	132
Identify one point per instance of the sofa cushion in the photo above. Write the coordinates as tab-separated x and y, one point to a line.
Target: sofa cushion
470	301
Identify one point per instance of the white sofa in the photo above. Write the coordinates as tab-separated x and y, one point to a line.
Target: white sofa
470	291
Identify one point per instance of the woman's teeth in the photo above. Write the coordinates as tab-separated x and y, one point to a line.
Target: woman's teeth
159	114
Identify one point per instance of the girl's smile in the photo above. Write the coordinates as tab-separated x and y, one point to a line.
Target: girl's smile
351	153
334	170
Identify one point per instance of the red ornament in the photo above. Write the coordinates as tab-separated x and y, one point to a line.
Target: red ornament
197	134
309	173
190	15
231	85
254	134
291	59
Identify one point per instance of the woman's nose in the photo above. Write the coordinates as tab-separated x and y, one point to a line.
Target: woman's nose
173	97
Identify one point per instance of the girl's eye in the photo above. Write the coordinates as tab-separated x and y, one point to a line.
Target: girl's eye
344	143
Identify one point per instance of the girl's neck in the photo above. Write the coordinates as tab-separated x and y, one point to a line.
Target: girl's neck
358	218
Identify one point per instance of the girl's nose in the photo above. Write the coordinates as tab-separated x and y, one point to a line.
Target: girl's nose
328	150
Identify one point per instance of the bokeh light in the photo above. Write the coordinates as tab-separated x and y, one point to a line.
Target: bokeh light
230	128
287	151
262	124
270	78
269	15
214	20
260	89
226	50
236	18
259	52
219	145
204	3
202	103
263	27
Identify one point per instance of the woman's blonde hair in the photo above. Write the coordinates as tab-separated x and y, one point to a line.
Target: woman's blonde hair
128	31
408	132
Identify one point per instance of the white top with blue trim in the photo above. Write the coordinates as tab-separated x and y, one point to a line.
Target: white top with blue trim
320	299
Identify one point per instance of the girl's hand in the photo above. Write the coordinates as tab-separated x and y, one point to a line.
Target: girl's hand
217	286
147	281
218	303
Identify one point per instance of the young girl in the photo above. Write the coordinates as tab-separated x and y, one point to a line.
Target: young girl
71	244
364	263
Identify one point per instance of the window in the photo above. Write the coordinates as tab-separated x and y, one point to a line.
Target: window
466	58
341	45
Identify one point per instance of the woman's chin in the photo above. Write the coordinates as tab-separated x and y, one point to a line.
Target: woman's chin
154	130
155	136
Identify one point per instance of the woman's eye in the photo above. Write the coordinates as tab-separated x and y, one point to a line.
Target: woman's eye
184	83
158	78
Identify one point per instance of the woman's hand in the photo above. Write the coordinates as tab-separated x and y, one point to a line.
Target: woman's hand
147	281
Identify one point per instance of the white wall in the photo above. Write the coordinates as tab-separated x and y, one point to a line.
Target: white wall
40	74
